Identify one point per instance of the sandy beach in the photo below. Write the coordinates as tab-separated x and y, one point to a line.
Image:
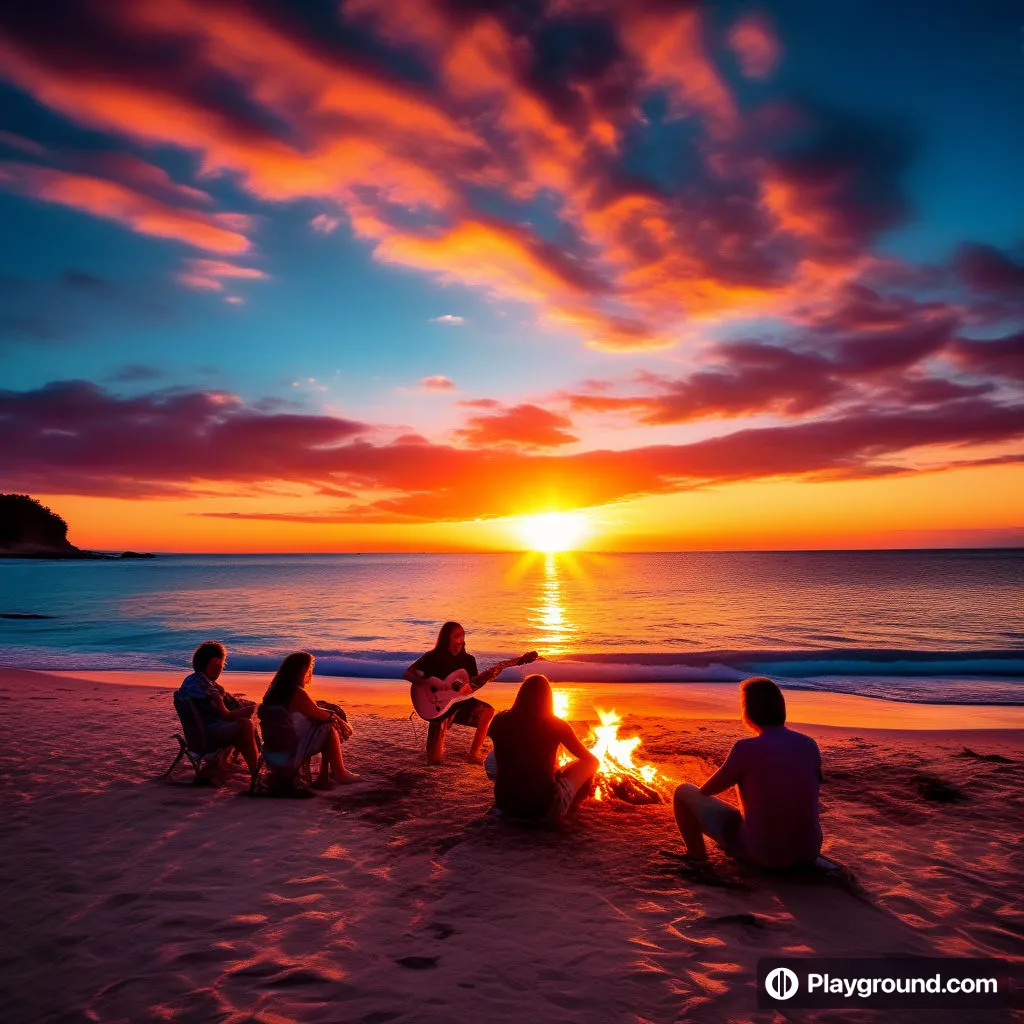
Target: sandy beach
132	898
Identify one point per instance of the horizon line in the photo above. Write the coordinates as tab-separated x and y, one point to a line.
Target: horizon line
577	551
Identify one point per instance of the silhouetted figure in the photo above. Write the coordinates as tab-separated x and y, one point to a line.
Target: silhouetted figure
226	720
528	784
449	655
319	728
777	773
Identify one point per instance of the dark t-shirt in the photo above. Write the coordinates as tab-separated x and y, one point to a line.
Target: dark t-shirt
441	664
526	752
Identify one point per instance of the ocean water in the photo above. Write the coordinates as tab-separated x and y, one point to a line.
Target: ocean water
940	626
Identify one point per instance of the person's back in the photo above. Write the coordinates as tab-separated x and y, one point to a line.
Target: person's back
200	690
777	775
528	783
526	752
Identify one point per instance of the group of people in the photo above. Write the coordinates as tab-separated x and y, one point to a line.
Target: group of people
777	771
319	727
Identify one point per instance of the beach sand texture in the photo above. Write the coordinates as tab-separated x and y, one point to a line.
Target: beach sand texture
129	898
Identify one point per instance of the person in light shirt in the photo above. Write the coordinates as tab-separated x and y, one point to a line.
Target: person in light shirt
777	773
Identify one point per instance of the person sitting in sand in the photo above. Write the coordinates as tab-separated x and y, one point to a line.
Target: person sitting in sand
227	721
777	773
319	729
449	655
528	785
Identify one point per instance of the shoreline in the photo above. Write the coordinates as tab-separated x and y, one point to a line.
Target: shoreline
713	701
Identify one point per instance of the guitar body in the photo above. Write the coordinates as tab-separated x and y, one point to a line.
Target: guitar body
432	697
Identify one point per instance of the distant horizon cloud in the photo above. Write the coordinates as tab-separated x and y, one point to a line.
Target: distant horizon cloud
74	437
448	318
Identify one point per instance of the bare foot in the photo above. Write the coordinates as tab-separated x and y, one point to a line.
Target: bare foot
474	758
346	778
323	783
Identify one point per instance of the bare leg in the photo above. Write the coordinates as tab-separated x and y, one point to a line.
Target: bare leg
476	751
689	823
245	743
436	733
332	763
580	775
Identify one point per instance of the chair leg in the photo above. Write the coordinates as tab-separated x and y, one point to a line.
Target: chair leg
174	763
256	774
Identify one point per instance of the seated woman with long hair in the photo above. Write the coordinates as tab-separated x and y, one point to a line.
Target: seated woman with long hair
319	730
528	784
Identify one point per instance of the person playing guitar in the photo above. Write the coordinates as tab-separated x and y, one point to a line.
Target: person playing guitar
442	699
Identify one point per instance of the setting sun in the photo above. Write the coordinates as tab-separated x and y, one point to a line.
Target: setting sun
553	531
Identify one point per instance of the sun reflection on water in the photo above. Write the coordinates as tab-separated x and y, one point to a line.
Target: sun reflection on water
549	615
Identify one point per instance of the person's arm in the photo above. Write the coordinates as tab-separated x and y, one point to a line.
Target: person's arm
304	704
726	777
415	672
477	679
229	714
574	745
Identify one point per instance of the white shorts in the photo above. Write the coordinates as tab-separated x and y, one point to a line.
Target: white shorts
718	820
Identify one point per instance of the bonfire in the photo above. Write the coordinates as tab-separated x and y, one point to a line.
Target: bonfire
617	775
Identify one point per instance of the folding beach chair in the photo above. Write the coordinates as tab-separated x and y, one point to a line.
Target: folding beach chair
194	745
280	758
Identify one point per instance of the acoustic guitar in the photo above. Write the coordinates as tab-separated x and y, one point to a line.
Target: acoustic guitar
432	697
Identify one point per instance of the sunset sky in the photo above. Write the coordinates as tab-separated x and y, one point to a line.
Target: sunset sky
391	274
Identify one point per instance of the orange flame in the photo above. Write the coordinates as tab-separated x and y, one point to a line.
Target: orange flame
614	754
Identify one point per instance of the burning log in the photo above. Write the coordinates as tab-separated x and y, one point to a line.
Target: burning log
632	790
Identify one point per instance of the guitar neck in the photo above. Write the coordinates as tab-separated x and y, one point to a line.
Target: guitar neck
489	673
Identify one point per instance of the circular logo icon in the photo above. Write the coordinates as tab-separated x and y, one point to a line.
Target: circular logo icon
782	983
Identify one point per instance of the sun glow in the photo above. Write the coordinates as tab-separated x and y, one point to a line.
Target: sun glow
553	531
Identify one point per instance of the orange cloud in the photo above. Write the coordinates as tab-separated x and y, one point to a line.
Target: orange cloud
669	47
521	426
73	437
496	120
506	261
113	201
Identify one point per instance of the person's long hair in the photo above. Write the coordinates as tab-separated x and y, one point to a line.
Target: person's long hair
534	700
288	679
445	635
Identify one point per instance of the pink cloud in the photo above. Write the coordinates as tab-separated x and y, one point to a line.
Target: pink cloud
755	45
324	224
437	383
209	275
